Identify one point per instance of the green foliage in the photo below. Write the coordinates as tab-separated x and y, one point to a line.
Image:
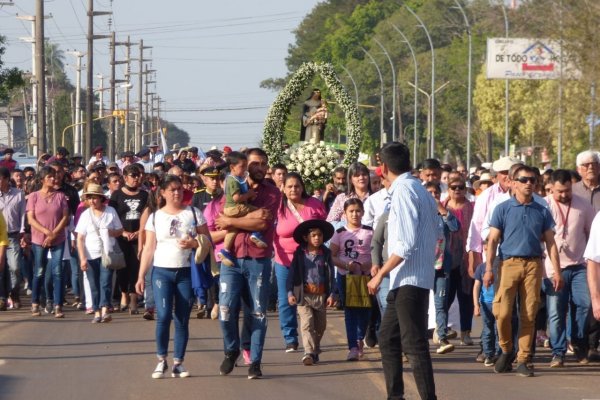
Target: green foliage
10	78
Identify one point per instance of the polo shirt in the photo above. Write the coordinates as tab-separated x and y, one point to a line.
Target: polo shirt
522	227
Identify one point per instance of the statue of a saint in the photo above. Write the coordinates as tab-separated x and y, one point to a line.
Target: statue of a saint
314	118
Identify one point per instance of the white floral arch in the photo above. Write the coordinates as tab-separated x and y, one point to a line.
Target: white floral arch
281	107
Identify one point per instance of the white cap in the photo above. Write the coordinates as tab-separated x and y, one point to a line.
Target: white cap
505	163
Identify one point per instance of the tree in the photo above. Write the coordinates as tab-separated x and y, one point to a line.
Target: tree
9	77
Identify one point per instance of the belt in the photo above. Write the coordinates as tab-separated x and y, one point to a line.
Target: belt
525	258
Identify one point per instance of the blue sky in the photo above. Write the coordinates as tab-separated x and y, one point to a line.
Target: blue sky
208	55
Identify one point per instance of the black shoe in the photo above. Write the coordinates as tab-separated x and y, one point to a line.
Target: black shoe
229	362
524	370
371	338
254	371
503	364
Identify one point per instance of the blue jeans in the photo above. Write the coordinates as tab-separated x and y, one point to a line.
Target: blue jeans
100	279
384	289
148	291
576	294
245	284
40	255
76	274
356	319
489	331
11	274
172	284
287	314
441	286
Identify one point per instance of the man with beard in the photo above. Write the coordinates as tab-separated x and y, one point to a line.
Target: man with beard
242	284
573	216
333	189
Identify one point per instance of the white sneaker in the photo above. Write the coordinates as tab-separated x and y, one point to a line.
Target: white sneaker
352	354
179	371
159	371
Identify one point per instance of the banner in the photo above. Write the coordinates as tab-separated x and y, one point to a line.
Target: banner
509	58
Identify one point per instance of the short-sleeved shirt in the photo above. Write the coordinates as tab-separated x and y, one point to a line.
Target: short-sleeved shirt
48	212
234	185
169	228
487	293
87	225
129	208
354	245
592	250
522	227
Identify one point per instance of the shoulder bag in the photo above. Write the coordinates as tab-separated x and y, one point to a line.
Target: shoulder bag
114	259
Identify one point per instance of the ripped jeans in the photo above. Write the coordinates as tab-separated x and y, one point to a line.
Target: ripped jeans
247	284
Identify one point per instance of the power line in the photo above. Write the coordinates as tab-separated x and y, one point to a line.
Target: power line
217	123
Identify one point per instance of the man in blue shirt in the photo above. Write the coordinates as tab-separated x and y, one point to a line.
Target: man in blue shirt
413	232
518	225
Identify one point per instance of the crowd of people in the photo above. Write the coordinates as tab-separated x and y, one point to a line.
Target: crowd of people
514	245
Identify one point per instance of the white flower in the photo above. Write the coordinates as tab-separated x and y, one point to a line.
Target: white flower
322	169
330	164
292	157
315	157
317	173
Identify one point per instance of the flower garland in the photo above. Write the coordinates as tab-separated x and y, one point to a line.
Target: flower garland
313	161
281	107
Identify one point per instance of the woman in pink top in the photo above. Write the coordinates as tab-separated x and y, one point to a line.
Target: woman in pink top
359	187
296	207
48	215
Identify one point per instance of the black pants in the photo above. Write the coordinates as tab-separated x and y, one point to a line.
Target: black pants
404	329
127	277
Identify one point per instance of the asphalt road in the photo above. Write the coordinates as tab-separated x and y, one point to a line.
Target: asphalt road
44	358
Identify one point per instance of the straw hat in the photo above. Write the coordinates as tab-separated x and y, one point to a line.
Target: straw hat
485	177
93	189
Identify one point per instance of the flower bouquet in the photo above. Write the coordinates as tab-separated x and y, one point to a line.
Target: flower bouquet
313	161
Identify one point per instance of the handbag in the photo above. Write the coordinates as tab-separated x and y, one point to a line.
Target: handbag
357	293
115	259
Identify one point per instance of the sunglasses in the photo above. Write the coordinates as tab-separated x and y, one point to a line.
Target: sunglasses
459	187
527	179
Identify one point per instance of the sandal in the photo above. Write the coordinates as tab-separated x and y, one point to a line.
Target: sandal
96	320
35	310
134	312
106	318
58	312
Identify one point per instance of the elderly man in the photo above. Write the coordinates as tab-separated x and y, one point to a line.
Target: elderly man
588	166
573	216
155	154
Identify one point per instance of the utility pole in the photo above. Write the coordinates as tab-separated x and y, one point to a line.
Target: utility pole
77	129
113	134
138	126
101	93
383	136
126	140
89	106
146	113
40	76
385	52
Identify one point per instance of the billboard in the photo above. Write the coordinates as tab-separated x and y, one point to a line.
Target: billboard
509	58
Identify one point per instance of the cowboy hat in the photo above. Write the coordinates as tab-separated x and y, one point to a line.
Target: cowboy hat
303	229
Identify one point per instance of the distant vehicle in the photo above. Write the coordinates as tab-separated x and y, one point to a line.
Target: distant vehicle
25	160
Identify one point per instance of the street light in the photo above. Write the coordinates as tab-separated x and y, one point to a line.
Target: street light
432	106
429	102
506	85
469	84
393	88
414	57
382	132
353	82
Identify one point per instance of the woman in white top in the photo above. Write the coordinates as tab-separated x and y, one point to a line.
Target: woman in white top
170	239
96	229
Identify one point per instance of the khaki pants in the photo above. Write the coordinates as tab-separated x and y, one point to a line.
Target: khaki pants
522	276
237	211
313	321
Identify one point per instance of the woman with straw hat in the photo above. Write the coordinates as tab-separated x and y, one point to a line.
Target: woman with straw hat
96	229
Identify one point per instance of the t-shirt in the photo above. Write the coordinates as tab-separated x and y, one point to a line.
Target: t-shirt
354	245
129	208
233	185
284	242
314	273
522	227
169	228
85	226
48	212
486	295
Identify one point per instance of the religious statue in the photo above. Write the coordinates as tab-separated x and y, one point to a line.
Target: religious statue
314	118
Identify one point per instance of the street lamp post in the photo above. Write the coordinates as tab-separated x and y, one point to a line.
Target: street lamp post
432	106
382	132
393	88
469	83
416	95
353	82
429	97
506	84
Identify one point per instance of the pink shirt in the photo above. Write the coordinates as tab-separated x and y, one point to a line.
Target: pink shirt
211	213
572	240
48	214
482	204
354	245
284	242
